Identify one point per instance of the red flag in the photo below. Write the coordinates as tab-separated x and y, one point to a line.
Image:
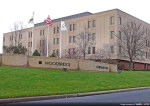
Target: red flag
48	21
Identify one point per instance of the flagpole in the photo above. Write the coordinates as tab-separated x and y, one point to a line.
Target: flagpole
32	34
32	38
47	40
60	43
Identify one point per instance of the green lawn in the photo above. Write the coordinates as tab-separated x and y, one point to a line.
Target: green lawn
18	82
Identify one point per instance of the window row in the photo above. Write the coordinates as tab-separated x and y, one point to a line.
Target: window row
91	23
56	30
11	37
112	34
42	43
30	34
112	20
72	27
56	41
147	55
56	51
20	36
147	43
42	32
72	39
91	50
91	37
29	44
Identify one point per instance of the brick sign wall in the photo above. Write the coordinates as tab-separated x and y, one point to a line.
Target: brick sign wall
55	63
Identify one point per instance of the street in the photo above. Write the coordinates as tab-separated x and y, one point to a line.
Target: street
138	97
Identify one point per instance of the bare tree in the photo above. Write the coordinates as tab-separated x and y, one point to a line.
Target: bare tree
104	53
17	32
42	46
71	53
132	40
83	42
15	37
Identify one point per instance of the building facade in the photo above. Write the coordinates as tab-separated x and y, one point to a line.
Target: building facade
101	28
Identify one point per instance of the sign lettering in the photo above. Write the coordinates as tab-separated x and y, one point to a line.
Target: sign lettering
57	63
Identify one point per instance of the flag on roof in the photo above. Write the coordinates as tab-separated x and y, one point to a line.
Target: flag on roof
63	26
48	21
31	19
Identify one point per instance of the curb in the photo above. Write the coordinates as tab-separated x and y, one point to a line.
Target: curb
25	99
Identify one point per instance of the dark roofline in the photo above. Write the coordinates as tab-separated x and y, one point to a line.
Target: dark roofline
66	18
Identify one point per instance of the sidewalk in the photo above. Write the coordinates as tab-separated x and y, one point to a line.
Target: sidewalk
23	99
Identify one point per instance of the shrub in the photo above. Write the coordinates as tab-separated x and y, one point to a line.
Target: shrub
36	53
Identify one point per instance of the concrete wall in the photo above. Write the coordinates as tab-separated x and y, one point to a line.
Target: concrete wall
14	60
90	65
55	63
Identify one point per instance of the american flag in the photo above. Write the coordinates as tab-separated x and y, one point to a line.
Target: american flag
48	21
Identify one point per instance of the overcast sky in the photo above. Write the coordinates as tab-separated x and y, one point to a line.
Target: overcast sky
21	10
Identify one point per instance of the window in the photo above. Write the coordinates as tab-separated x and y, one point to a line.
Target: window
93	50
4	39
89	50
74	39
119	20
89	37
146	55
31	44
70	38
11	38
43	31
54	30
57	40
73	50
89	24
69	50
119	49
74	26
146	31
112	20
94	23
57	29
119	34
40	32
28	44
112	49
43	43
57	52
148	43
31	34
112	33
40	43
53	51
20	36
70	27
93	37
53	40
